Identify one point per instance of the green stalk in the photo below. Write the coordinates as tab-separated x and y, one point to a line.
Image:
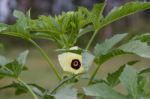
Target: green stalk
91	40
94	74
63	82
30	90
87	47
46	58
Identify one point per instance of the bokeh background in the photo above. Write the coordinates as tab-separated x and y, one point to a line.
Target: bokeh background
39	71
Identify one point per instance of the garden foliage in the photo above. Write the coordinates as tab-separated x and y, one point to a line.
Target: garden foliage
64	30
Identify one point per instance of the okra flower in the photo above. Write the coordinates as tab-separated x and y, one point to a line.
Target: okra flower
71	62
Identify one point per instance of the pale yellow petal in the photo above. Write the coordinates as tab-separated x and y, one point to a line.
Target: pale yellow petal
65	60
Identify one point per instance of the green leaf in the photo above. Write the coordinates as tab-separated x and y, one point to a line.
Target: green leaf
48	97
144	70
103	90
142	81
20	28
132	47
18	14
85	30
3	61
45	25
22	19
22	58
136	47
87	60
125	10
113	78
3	27
96	14
12	69
62	29
129	79
83	16
144	37
103	58
15	67
98	10
20	89
42	36
106	46
98	98
15	30
67	92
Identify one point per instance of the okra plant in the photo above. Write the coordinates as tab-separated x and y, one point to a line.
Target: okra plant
65	30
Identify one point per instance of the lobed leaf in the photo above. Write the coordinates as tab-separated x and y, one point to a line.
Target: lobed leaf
105	51
3	61
104	91
22	57
144	37
85	30
62	29
103	58
125	10
96	14
136	47
108	44
129	79
67	92
19	29
113	78
3	27
144	70
15	67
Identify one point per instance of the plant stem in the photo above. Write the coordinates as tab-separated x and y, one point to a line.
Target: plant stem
87	47
91	40
30	90
63	82
94	74
46	58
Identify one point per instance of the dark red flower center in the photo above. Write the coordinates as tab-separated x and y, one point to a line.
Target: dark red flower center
75	64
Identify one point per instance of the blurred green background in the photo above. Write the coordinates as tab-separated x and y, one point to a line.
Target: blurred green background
39	72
